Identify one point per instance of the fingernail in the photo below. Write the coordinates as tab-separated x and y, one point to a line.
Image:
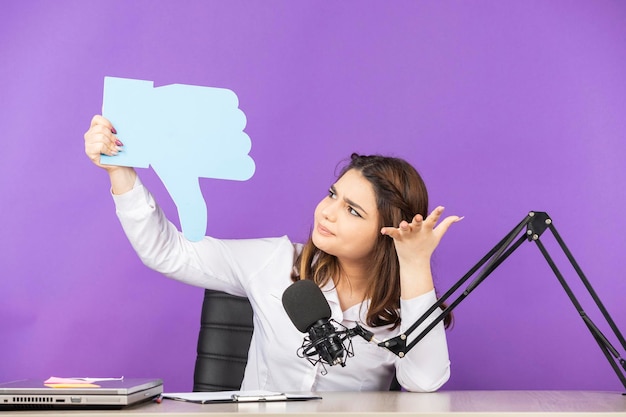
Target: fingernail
113	130
118	142
459	219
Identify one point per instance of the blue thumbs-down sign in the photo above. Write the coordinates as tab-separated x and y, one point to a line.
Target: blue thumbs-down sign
184	132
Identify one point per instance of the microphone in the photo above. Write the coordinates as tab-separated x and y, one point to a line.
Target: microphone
309	311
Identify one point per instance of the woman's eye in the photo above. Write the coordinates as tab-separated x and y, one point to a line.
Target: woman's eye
331	194
353	212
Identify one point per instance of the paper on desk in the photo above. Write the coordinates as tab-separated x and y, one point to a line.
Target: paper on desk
74	382
236	396
78	380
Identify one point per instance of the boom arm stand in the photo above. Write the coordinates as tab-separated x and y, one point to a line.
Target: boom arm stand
535	224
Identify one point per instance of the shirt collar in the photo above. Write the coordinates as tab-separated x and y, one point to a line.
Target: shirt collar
356	313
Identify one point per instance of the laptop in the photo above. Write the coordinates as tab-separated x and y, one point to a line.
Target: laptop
32	394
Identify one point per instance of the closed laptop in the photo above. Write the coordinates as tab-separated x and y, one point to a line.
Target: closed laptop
35	394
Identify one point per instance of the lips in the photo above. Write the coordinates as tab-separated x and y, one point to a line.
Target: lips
324	231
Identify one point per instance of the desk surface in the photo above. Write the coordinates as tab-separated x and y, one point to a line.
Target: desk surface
457	403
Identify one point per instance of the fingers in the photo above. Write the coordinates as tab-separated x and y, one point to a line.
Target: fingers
418	222
101	139
100	120
404	226
447	222
390	231
434	216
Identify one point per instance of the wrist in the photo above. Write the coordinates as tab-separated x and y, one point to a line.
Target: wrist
415	278
122	179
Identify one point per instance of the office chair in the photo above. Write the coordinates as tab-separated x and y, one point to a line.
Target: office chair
225	333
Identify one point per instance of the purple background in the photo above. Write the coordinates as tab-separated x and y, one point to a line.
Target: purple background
504	107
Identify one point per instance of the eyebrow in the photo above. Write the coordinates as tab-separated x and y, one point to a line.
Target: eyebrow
347	200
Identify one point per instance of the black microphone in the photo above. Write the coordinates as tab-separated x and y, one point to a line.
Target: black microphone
309	311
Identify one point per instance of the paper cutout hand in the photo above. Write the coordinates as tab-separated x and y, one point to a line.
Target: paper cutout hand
184	132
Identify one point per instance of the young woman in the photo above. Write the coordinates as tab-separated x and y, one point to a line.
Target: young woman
369	251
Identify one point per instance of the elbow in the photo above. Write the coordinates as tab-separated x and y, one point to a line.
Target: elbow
424	383
166	256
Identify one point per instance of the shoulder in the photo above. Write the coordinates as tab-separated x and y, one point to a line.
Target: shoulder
280	244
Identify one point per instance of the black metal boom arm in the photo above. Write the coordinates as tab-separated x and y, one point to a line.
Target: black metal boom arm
529	229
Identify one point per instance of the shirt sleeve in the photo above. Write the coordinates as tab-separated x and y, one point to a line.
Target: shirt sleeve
426	367
223	265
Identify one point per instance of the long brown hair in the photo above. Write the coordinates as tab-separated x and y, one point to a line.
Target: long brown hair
400	195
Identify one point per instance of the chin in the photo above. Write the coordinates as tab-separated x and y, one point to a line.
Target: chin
316	240
319	244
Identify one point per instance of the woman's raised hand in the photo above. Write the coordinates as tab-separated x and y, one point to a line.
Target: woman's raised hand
415	243
420	237
101	139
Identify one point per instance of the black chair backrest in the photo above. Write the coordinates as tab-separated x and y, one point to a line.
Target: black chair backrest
225	333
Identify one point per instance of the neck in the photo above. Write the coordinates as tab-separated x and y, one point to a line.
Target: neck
352	284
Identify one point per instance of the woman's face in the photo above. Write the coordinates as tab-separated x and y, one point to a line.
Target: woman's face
346	221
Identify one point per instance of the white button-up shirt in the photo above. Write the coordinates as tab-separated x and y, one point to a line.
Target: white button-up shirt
260	269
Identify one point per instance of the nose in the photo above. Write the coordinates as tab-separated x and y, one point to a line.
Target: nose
329	209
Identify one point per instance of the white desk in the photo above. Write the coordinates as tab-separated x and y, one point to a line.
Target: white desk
444	403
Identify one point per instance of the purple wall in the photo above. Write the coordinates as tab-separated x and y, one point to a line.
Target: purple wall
504	106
